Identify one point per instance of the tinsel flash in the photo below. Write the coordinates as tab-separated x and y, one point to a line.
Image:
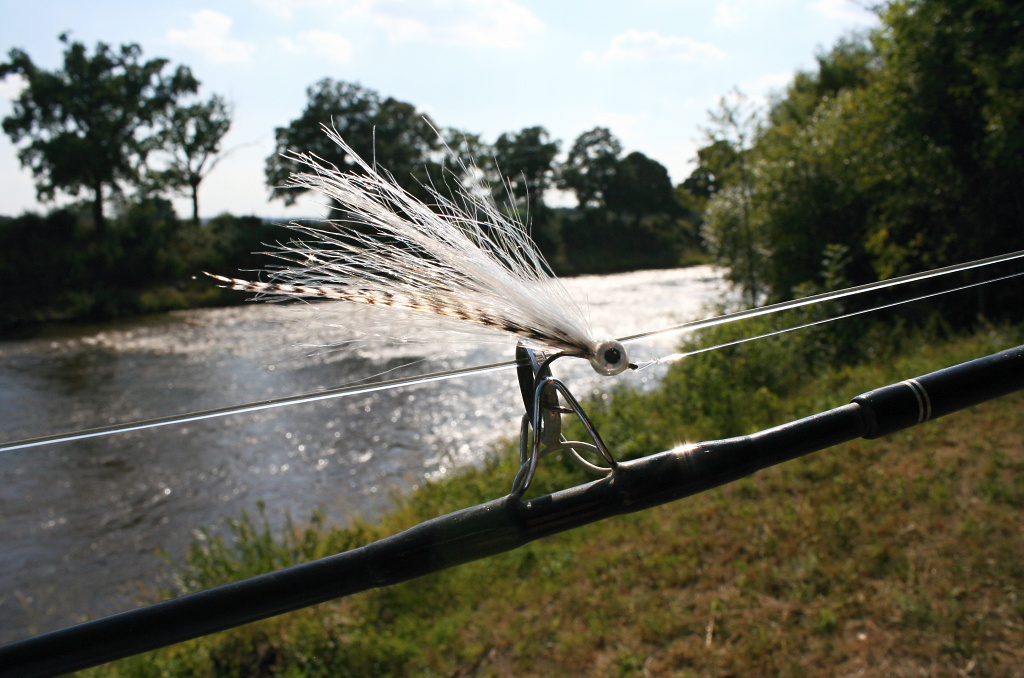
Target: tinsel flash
461	259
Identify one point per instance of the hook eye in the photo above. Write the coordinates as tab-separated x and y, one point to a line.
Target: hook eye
609	357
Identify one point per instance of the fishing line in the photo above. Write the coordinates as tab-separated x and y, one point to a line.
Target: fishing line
830	296
247	408
673	357
692	326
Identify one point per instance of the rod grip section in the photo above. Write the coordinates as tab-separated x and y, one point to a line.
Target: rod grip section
898	406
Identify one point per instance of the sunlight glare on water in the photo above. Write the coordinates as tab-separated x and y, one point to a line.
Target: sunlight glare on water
82	522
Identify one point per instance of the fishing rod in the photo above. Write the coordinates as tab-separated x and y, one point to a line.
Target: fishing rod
512	521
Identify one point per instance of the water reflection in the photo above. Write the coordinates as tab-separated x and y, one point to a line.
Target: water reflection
81	523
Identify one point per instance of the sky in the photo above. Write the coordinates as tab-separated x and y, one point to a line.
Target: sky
649	70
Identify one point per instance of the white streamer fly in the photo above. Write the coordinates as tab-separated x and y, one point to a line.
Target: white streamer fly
461	260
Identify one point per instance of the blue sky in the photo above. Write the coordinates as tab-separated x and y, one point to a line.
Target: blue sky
647	69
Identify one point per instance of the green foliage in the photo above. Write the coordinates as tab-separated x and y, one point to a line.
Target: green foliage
86	122
629	216
252	548
525	160
714	164
396	135
145	261
591	167
953	83
641	186
601	241
729	228
903	148
849	65
191	136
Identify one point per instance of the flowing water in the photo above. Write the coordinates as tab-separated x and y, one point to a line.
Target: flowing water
82	524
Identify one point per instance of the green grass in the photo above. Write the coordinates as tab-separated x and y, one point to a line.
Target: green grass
897	557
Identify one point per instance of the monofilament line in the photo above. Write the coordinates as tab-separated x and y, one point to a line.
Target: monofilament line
673	357
257	406
838	294
440	376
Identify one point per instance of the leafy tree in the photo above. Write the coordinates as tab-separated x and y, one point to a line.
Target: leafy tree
591	166
714	164
29	282
86	122
389	132
640	186
638	224
470	161
849	65
954	73
191	137
903	151
735	123
525	160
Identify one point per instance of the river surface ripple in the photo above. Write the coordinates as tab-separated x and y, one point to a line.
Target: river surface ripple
82	523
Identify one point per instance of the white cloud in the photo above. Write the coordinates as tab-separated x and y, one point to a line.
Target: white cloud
331	46
503	24
727	13
491	23
637	45
846	11
286	8
209	35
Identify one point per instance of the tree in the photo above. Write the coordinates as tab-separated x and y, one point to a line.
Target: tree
191	137
389	132
849	65
714	165
526	162
591	166
953	77
86	122
641	186
470	161
735	123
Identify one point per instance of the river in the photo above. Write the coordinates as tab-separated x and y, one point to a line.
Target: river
82	523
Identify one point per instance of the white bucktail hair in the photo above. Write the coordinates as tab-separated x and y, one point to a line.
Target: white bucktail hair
461	260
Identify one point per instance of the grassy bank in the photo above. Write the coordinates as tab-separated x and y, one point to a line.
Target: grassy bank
903	556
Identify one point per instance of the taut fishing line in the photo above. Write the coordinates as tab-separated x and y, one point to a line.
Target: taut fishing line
458	266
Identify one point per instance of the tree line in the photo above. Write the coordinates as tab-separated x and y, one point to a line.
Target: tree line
131	133
902	151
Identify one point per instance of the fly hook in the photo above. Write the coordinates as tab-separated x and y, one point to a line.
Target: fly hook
541	429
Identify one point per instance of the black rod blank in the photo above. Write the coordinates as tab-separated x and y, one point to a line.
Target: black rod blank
504	524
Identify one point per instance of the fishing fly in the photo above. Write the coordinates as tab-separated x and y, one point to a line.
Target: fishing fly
463	262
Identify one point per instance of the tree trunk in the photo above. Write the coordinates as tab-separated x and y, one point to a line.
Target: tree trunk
98	218
195	202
